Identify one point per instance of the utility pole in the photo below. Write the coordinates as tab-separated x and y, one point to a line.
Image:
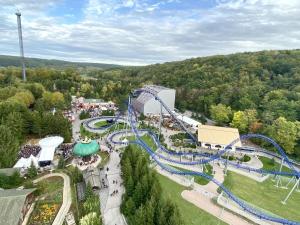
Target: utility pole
18	14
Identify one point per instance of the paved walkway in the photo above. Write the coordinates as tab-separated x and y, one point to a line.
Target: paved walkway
67	198
205	203
111	212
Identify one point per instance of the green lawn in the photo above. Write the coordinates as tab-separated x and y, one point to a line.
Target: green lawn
269	164
147	139
264	195
191	214
198	179
101	123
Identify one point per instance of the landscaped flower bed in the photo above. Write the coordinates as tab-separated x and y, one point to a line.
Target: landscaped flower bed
44	213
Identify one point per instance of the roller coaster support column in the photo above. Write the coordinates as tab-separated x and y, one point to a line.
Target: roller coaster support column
226	165
278	177
289	194
127	119
160	121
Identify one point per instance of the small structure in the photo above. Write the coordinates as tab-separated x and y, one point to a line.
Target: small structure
147	104
48	145
80	187
213	137
92	176
89	103
14	204
86	148
189	122
25	163
70	219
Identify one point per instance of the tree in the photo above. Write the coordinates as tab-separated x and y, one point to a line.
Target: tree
285	133
25	97
9	147
243	120
16	124
32	171
61	163
221	113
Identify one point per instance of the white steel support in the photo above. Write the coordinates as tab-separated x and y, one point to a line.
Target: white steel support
292	190
278	177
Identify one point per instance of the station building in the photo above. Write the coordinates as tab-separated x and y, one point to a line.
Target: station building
214	137
147	104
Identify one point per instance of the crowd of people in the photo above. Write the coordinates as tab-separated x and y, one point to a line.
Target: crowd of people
66	150
28	150
83	162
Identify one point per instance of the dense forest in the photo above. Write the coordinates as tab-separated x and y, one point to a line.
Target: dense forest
143	202
6	61
26	109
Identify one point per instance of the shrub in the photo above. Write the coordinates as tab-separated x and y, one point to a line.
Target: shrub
84	115
246	158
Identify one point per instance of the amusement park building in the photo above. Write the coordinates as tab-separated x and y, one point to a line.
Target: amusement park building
14	204
145	103
214	137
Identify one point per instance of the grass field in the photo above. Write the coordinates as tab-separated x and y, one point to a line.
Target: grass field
147	139
198	179
264	195
191	214
269	164
101	123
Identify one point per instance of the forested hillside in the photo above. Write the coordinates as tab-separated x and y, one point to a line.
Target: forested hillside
6	60
256	92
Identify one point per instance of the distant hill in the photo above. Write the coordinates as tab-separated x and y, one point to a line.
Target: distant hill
6	60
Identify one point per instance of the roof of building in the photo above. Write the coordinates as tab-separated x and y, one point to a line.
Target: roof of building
26	162
81	191
85	149
218	135
144	97
187	120
48	145
8	171
92	100
92	176
11	205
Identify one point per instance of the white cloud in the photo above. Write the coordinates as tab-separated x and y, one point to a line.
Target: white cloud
144	33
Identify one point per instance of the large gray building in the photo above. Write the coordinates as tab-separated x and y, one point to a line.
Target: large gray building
145	103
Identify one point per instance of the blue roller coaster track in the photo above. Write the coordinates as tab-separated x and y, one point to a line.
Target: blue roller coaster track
209	157
241	203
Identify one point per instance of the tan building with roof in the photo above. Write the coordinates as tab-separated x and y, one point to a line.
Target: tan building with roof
213	137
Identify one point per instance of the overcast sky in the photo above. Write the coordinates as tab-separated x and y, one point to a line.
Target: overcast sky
138	32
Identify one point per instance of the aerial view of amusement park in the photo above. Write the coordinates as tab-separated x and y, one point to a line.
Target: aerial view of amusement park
134	112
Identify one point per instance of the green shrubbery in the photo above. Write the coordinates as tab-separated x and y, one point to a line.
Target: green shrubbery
84	115
12	181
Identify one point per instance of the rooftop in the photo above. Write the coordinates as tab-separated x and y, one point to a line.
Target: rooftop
218	135
11	204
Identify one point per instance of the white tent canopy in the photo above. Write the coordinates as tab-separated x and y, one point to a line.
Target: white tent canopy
48	145
191	122
26	162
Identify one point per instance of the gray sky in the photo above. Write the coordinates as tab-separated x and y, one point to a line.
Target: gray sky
138	32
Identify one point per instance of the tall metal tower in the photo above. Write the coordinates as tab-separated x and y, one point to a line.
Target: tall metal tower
18	14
